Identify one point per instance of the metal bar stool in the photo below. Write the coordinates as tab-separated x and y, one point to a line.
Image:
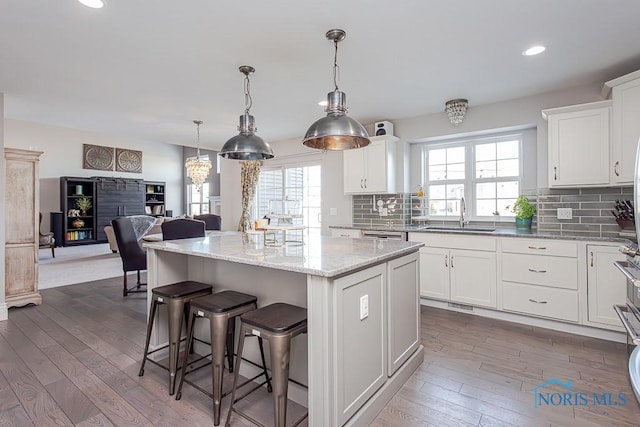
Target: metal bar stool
221	309
176	296
278	323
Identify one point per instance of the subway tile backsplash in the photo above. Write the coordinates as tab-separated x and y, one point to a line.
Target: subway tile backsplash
591	210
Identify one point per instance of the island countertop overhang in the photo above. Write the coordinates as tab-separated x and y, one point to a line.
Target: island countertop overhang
322	256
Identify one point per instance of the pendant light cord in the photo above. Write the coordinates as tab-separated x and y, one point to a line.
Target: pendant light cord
248	102
336	68
197	122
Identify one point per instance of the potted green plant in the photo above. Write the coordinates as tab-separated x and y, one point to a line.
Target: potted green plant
84	204
524	211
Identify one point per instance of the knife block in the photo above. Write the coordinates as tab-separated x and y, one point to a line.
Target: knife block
626	224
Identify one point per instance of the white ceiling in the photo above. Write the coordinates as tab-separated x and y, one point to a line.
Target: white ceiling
147	68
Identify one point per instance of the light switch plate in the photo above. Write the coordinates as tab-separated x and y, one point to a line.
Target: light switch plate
565	213
364	307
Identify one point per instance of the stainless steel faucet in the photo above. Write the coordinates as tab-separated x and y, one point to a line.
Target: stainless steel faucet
463	209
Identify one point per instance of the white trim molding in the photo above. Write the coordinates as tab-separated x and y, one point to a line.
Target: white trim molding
4	312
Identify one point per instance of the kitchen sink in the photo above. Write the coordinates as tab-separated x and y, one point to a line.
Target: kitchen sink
458	228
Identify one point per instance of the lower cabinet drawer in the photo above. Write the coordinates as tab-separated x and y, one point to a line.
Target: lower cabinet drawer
554	271
540	301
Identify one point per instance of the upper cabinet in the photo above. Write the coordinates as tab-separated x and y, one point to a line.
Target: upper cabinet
579	140
625	94
371	169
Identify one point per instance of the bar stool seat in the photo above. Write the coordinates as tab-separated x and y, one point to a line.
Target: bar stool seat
176	296
221	309
278	323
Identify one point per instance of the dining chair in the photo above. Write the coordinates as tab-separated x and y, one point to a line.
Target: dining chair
211	221
46	240
133	257
182	228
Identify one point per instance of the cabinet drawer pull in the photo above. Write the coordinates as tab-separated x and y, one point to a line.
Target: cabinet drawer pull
365	183
362	183
555	173
615	168
540	248
537	302
451	261
446	257
537	271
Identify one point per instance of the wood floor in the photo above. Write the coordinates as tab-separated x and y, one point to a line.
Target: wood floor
75	359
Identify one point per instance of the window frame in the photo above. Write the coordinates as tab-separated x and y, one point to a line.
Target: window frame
282	167
470	179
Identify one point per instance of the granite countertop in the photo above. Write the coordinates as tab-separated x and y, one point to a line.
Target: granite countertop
489	231
319	256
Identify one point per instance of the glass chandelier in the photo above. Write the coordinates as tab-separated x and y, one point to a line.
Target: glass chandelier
336	131
198	169
455	109
246	145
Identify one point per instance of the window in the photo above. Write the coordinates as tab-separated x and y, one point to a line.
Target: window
300	183
485	171
198	202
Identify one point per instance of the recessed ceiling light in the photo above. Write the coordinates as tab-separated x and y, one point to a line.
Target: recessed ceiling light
95	4
323	103
534	50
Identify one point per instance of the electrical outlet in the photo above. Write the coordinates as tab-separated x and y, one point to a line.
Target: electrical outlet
364	307
384	211
565	213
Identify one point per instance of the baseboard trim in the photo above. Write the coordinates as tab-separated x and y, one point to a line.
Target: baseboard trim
555	325
4	312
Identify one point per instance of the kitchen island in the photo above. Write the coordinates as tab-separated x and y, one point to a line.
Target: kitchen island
363	338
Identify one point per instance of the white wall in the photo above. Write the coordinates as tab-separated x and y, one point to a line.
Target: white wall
3	306
522	113
502	116
62	156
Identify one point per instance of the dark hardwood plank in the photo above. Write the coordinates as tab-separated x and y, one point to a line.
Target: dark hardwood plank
110	403
34	398
38	363
72	401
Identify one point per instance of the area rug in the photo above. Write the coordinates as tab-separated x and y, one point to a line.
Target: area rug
77	264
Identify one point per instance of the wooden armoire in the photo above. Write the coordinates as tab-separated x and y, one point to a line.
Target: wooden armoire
22	208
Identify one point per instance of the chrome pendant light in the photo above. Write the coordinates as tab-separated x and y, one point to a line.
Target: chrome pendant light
246	145
337	131
198	169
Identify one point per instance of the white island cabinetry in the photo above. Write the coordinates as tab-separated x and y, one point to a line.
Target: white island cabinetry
362	310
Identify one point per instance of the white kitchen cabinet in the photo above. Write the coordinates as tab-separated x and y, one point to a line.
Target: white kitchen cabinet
434	273
625	129
579	141
473	277
540	277
371	170
605	285
451	273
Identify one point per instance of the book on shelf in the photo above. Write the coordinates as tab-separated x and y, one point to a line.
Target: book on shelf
147	210
79	235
